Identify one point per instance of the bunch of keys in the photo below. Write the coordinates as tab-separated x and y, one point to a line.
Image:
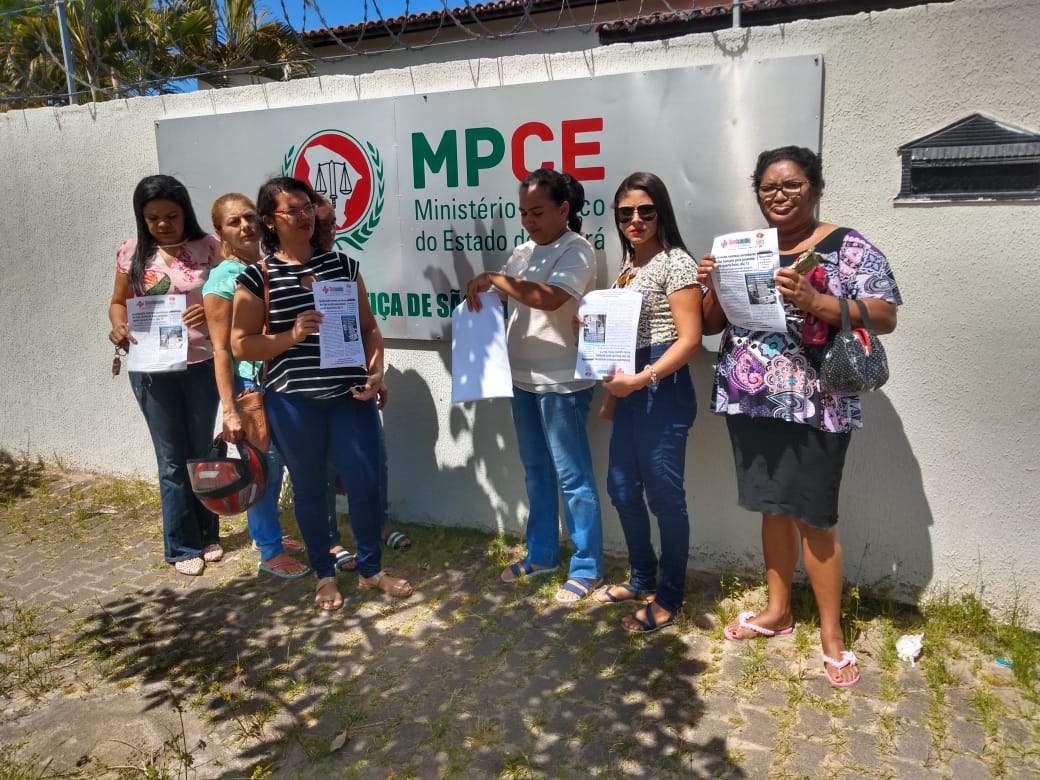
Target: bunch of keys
117	363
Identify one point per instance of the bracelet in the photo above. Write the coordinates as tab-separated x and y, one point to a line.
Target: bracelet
653	373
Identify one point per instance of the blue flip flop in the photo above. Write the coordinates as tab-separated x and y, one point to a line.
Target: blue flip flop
278	569
523	570
649	625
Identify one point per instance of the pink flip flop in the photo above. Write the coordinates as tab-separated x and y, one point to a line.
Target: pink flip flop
848	658
744	622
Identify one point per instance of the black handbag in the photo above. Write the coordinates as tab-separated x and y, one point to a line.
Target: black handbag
855	360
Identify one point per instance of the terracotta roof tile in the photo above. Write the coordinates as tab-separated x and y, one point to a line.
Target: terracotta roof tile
703	16
718	15
430	20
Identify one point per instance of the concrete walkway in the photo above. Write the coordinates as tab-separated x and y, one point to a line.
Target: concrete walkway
111	659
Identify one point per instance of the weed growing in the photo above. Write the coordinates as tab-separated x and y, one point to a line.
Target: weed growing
475	679
18	478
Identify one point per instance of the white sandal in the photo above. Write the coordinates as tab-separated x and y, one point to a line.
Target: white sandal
192	567
399	589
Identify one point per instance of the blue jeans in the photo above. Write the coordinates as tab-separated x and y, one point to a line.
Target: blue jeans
265	527
554	450
181	410
648	453
311	432
335	539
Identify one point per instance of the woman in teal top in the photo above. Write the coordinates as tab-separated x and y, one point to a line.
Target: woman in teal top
235	222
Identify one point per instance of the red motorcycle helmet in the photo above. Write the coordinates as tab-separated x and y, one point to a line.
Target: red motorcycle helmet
229	486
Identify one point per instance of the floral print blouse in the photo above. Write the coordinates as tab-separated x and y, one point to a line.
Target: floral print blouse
763	374
185	275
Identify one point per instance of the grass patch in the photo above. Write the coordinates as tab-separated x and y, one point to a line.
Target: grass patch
15	767
964	616
18	478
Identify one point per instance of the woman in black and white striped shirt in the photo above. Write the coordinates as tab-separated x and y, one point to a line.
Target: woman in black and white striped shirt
315	413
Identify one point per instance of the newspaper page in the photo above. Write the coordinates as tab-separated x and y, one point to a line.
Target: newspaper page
162	337
339	335
479	359
607	335
744	279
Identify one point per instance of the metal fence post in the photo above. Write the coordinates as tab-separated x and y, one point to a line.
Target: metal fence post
66	50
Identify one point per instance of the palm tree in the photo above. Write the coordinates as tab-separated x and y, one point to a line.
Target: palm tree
123	48
241	42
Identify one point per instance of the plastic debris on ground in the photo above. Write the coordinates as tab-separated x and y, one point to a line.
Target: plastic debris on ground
908	646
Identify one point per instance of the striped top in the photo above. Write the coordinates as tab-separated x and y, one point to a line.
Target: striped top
296	370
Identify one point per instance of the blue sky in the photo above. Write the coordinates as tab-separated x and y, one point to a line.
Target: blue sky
337	12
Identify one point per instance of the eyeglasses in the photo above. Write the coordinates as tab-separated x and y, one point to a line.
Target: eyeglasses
768	191
298	212
647	212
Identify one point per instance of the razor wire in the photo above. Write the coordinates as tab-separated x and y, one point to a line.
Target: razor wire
127	48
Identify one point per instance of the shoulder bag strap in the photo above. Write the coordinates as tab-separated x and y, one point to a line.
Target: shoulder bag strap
865	316
267	315
846	323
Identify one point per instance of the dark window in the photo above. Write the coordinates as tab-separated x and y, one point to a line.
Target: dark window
976	158
975	179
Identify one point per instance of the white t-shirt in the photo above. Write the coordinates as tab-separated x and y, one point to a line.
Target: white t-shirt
541	344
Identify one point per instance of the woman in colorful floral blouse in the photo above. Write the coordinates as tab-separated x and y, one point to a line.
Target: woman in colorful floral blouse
789	438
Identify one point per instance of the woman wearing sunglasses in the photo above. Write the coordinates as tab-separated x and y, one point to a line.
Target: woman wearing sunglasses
789	438
654	407
544	280
316	414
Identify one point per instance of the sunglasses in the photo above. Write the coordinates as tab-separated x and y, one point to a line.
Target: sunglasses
647	212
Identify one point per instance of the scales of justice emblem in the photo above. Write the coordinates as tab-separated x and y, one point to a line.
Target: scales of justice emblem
346	172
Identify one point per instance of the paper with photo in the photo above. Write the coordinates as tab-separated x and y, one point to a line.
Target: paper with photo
607	335
744	282
162	337
339	335
479	360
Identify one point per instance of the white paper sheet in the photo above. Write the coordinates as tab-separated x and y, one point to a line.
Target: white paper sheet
162	338
607	337
339	334
744	279
479	360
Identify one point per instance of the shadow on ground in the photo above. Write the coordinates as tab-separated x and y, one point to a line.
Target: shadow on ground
467	678
114	666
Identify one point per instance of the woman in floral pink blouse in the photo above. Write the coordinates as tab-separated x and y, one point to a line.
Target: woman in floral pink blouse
789	438
173	254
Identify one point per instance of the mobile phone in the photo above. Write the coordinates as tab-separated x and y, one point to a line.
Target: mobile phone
807	261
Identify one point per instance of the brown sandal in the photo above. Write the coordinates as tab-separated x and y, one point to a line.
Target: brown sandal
326	602
391	586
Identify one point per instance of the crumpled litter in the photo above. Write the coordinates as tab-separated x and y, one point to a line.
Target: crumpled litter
908	646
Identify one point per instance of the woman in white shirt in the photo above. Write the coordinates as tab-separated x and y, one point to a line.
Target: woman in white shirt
544	279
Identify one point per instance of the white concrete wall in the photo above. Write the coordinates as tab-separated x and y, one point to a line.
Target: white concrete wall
941	487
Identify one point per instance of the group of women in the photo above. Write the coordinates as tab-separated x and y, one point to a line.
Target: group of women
248	303
789	438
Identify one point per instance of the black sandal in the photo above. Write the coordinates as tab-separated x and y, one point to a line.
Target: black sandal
345	560
395	540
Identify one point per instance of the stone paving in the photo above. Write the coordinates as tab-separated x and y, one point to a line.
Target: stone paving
113	665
